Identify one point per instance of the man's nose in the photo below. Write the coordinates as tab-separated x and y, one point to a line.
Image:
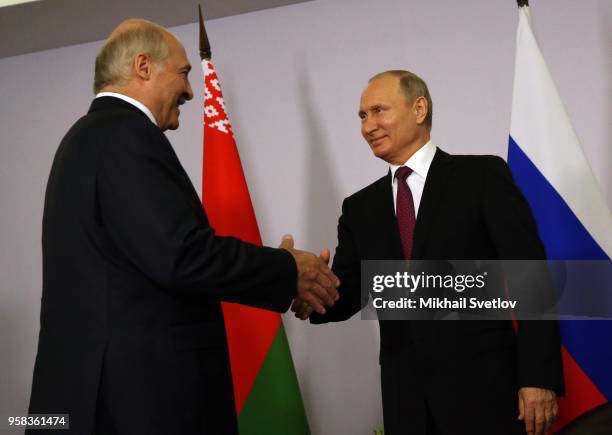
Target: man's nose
189	93
368	125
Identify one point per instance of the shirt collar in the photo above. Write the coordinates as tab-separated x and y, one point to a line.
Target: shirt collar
130	100
419	162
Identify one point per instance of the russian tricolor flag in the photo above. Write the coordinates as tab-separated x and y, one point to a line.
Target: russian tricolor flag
574	221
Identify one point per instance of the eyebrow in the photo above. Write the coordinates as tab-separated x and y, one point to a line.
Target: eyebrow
373	106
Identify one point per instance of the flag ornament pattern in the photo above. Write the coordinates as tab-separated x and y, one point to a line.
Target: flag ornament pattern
574	222
266	389
215	115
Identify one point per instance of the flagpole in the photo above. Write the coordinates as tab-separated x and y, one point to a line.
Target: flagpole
205	51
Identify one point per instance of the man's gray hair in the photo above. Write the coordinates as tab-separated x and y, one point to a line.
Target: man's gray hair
114	62
413	87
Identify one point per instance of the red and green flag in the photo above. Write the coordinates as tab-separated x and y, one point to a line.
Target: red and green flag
266	389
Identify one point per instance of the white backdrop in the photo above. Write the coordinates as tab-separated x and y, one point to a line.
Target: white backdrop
292	77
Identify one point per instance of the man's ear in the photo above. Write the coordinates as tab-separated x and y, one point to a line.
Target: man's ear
143	66
421	109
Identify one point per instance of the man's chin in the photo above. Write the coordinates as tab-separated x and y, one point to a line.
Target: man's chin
172	125
380	152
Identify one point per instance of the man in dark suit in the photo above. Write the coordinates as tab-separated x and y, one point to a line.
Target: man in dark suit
132	337
471	377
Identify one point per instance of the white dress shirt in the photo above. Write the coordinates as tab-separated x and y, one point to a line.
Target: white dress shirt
130	100
419	162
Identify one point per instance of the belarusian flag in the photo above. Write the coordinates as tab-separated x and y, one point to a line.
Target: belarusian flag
266	390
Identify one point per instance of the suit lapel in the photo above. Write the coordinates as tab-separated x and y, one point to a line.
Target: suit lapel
435	184
383	205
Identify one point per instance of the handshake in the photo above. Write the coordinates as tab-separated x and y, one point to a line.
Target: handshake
316	283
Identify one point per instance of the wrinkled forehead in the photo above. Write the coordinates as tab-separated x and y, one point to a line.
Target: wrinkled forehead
383	88
383	84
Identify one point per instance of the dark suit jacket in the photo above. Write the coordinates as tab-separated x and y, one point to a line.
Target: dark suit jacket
470	210
132	338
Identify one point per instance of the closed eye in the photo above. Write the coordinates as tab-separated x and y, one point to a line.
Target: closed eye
185	70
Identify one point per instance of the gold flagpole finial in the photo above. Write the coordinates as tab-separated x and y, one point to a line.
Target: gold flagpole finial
205	51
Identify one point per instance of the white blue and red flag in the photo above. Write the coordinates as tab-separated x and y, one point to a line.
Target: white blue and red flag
574	222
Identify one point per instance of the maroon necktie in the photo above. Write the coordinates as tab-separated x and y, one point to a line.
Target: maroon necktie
404	211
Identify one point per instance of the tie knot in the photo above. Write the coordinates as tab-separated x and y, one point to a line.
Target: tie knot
403	172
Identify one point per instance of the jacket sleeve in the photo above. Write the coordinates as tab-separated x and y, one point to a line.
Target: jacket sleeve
347	267
515	236
152	214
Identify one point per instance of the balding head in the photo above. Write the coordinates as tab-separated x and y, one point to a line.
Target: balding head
144	61
114	63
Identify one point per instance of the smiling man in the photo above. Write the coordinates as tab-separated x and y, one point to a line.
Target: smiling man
470	377
132	338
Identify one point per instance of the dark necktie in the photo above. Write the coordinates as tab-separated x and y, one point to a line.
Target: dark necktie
404	211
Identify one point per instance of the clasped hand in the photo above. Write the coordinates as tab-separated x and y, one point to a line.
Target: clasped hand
316	283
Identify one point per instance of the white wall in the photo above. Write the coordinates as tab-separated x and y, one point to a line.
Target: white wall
292	78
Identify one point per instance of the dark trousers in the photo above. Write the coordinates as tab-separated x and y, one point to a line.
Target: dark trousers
476	396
